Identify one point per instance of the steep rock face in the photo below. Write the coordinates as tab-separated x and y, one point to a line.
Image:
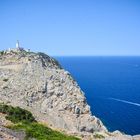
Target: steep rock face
37	82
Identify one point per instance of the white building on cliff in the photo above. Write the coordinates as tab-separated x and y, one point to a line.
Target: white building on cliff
18	48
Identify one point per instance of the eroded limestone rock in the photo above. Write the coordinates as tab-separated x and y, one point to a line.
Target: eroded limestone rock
37	82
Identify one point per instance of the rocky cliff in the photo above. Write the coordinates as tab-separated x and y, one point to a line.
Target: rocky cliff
38	83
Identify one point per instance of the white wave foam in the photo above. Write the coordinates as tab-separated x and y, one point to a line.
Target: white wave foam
124	101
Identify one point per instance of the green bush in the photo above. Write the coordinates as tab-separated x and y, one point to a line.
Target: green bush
41	132
98	136
1	52
16	114
5	80
24	120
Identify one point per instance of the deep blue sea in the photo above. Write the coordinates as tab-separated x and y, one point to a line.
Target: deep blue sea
112	88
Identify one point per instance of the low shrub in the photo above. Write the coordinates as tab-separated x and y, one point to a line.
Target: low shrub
98	136
24	120
1	52
5	80
16	114
41	132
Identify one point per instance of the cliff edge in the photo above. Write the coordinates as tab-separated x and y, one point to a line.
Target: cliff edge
37	82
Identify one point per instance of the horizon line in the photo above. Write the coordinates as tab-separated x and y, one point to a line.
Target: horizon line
95	55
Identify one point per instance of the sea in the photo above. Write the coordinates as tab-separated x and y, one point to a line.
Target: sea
112	88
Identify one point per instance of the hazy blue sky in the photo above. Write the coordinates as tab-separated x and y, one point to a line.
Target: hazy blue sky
72	27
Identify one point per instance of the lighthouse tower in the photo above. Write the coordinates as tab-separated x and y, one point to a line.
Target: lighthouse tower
17	45
18	48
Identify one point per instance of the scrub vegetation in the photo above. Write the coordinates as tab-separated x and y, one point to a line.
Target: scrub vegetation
24	120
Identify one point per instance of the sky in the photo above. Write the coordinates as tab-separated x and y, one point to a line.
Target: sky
72	27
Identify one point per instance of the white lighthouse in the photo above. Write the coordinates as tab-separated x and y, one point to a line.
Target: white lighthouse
17	45
18	48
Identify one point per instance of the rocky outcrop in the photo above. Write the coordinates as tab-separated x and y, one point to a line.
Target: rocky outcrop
8	134
37	82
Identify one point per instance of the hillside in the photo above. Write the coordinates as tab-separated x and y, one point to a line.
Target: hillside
37	82
20	124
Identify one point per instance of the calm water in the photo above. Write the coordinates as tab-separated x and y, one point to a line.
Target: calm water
112	88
